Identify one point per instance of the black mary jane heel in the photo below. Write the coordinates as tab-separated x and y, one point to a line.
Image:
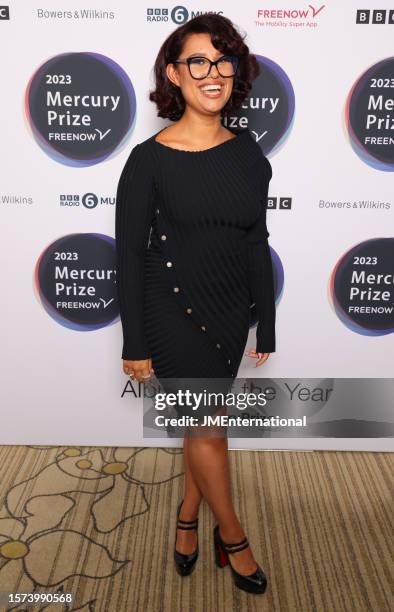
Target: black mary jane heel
253	583
185	563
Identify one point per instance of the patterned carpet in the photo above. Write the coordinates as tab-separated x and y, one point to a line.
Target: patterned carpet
100	523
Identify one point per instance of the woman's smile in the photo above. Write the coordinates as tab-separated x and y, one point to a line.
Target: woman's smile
212	90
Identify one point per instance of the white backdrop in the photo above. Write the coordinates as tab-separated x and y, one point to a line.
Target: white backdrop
62	385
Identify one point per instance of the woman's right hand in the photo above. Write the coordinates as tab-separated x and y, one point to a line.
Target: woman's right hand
138	369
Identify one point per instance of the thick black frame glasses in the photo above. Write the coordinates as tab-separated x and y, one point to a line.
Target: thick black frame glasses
233	59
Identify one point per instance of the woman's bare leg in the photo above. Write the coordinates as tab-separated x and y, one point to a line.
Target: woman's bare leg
207	449
186	541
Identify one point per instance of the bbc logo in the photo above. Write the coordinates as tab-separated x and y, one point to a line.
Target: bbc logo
376	16
282	203
4	12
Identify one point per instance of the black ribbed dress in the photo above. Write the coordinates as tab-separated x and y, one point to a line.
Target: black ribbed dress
193	257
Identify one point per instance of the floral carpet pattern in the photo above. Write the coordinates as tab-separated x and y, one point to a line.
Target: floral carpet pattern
98	523
42	541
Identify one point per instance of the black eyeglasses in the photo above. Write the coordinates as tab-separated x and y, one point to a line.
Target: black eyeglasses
200	67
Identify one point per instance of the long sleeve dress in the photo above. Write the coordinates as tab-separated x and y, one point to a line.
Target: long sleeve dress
193	256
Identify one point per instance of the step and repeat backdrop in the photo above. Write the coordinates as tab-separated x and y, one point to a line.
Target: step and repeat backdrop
75	84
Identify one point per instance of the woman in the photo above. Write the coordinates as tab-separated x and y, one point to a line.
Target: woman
193	255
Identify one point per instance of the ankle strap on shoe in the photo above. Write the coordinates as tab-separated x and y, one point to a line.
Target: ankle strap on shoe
187	524
194	526
232	548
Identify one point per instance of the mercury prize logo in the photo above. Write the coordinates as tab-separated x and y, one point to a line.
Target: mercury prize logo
369	115
361	287
75	281
268	110
80	107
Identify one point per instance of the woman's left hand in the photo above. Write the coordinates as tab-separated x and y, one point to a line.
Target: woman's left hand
261	357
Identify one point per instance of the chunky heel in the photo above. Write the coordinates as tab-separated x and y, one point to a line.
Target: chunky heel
221	558
253	583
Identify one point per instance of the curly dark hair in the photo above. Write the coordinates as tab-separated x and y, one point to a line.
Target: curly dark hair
224	37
